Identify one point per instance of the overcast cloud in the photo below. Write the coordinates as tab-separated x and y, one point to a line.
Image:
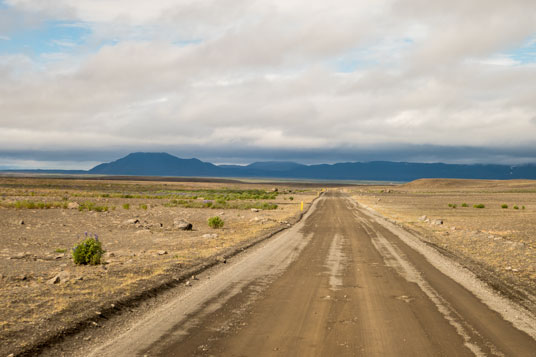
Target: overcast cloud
234	81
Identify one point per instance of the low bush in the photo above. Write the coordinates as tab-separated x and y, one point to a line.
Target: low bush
515	207
143	206
465	205
215	222
522	207
89	251
291	198
480	205
504	206
126	206
91	206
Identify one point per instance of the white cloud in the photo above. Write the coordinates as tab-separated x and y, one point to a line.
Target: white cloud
279	74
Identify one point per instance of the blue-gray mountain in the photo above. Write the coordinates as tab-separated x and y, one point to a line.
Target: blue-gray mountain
163	164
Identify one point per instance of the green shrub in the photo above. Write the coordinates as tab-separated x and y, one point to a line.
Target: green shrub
465	205
91	206
515	207
480	205
126	206
291	198
60	250
504	206
452	205
143	206
89	251
522	207
215	222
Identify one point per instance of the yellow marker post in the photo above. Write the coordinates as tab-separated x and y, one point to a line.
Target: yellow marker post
301	206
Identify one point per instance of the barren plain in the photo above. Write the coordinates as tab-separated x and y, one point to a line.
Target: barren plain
487	226
44	293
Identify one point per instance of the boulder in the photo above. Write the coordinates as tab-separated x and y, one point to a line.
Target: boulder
73	205
182	225
437	222
62	276
423	218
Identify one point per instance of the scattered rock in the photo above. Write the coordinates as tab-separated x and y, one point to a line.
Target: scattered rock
162	252
73	205
187	283
210	235
221	259
54	280
508	268
254	210
61	277
21	222
423	218
437	222
182	225
132	221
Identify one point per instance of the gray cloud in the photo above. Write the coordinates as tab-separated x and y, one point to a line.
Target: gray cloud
289	79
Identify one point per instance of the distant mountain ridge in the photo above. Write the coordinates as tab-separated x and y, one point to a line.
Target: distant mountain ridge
164	164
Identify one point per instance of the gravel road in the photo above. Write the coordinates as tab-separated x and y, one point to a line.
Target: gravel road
339	283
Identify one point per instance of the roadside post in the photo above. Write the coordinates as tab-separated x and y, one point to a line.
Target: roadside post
301	206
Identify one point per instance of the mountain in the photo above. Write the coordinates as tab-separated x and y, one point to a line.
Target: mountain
163	164
156	164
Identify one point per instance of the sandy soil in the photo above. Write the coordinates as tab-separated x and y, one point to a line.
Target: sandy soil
497	243
35	247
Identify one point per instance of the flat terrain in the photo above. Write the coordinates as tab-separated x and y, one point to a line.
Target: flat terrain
343	282
42	219
498	243
413	269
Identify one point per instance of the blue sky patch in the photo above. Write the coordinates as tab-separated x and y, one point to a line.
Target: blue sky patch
53	36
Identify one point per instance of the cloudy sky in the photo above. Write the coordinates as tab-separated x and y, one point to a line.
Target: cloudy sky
235	81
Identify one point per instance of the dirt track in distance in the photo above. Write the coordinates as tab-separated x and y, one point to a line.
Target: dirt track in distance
338	284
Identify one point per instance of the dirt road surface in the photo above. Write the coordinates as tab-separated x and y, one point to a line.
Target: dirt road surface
339	283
